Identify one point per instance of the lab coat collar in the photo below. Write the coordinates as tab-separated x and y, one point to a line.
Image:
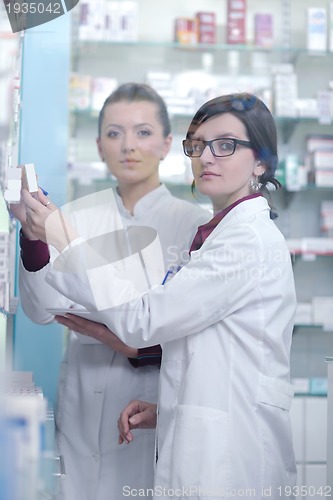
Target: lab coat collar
205	230
147	202
240	212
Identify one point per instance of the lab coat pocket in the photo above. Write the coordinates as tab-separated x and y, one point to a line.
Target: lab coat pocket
199	460
275	398
275	392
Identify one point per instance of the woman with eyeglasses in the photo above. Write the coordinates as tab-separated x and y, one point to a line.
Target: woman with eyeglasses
225	321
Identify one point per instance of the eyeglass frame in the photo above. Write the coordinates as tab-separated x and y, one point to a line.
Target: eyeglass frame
236	142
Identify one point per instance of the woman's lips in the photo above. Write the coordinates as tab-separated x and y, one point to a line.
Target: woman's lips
208	173
129	162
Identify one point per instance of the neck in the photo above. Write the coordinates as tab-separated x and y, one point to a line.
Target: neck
220	205
131	194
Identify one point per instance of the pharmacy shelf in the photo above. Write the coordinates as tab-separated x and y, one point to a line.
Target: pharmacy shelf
92	114
213	47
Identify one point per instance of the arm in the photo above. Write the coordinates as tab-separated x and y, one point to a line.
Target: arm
97	331
35	293
217	281
137	357
136	415
214	283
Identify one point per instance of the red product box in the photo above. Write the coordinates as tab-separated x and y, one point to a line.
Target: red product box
263	27
206	27
185	30
236	21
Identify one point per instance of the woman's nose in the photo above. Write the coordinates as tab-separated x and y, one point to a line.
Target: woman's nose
207	155
128	144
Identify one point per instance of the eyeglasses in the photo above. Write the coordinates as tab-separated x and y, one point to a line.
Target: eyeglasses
219	147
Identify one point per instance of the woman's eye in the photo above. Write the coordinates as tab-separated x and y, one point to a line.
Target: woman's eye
226	146
113	133
197	147
144	133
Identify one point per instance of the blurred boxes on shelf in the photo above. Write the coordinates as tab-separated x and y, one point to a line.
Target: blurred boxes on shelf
108	20
236	21
304	314
185	30
165	85
206	27
318	386
307	107
79	91
318	246
285	90
23	413
316	28
291	174
121	21
319	142
325	106
161	81
263	30
301	385
320	159
321	163
315	386
324	178
326	212
91	20
101	88
322	310
315	246
317	312
87	93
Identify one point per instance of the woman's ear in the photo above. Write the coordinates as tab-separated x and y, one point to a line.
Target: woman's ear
167	146
259	169
99	148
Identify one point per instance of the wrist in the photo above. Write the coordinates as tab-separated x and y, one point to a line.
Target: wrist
131	352
26	233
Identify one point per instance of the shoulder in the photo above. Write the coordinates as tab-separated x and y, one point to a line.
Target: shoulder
192	210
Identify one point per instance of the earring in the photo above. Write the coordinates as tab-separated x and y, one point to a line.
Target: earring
255	185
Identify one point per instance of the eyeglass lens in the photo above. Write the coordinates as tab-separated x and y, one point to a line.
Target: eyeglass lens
219	147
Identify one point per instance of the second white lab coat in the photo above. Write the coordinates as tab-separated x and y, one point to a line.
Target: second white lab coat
95	382
225	322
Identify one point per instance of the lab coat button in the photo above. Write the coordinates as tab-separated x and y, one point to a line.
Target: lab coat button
96	457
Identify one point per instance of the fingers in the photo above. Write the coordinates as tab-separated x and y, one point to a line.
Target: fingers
45	200
136	415
30	201
36	205
125	435
81	325
124	423
73	322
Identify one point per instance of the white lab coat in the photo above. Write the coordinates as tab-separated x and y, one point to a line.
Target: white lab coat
95	382
225	322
